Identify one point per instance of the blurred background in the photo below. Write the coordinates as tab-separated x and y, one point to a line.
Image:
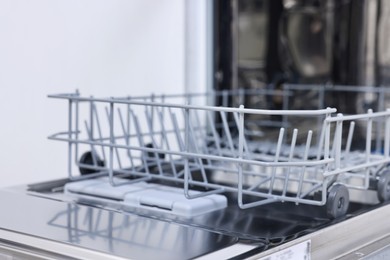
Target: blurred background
102	48
343	42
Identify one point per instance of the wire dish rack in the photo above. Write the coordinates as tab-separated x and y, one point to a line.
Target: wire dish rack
300	151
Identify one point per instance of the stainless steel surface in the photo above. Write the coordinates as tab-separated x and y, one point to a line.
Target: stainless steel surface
376	250
51	226
343	240
11	250
96	231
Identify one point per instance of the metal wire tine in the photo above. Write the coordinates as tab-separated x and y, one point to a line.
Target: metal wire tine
203	133
338	137
192	141
308	143
111	147
149	109
91	115
241	138
217	139
162	111
227	133
349	139
177	130
293	143
278	148
155	146
321	140
292	148
368	147
245	144
379	124
139	136
178	136
198	125
70	144
113	141
305	156
127	140
94	159
165	137
321	105
128	123
368	135
334	144
77	129
187	172
94	112
327	140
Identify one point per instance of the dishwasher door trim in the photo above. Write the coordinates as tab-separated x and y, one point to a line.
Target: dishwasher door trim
31	246
342	239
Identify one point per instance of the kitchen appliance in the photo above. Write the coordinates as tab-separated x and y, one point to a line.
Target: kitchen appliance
258	188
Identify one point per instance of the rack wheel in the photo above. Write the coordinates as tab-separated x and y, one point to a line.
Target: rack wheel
338	201
87	158
383	189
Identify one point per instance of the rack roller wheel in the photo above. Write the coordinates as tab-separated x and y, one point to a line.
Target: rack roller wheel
383	188
338	201
87	158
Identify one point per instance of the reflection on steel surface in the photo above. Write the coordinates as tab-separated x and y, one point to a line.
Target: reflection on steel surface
145	238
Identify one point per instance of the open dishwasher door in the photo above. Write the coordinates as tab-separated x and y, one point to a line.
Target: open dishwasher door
41	228
44	228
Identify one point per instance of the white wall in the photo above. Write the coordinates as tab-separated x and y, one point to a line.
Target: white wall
101	47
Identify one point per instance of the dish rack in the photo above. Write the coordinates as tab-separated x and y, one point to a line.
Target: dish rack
182	144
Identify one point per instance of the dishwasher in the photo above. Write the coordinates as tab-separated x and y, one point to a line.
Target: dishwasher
177	177
253	168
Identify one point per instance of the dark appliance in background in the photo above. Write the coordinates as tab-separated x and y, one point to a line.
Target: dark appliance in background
264	43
